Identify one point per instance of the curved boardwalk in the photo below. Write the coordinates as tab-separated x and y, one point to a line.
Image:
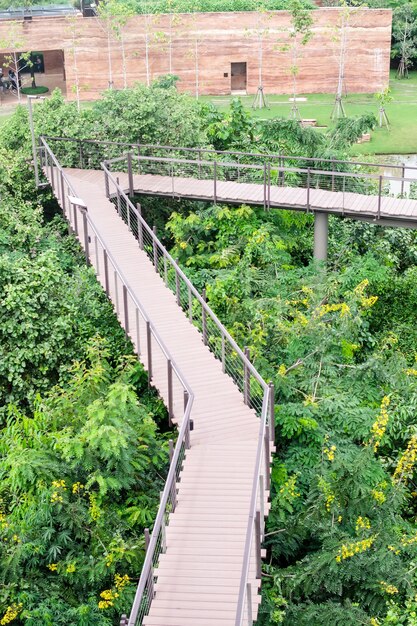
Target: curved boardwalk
198	576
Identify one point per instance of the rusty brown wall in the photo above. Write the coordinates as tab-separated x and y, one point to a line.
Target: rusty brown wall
211	42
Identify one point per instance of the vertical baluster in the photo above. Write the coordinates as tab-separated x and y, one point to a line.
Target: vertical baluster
130	174
140	226
215	182
267	460
96	253
249	603
170	395
125	309
155	250
119	204
86	238
149	350
204	318
246	378
257	523
272	411
177	288
106	272
173	486
163	530
116	289
137	332
223	354
165	271
190	304
379	196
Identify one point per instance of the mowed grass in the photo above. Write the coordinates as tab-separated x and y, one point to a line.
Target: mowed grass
402	114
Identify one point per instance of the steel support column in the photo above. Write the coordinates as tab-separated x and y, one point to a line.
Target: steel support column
321	235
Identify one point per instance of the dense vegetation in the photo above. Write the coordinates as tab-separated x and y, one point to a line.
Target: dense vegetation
78	476
81	457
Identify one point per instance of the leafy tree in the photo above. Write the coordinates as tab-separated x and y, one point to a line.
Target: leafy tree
404	32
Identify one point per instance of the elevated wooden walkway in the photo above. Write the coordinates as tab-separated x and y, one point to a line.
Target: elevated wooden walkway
197	580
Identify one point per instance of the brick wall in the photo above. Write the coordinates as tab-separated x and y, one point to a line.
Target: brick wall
211	42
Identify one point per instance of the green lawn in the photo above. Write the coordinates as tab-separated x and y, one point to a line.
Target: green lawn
402	113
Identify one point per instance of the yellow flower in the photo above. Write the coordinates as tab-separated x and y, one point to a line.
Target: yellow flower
378	496
52	566
368	302
374	621
380	425
362	286
121	581
362	523
70	568
391	589
56	497
329	452
411	372
94	509
11	613
407	460
355	547
77	487
183	245
282	370
58	484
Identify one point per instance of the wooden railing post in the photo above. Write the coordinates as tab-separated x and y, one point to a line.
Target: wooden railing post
249	603
106	181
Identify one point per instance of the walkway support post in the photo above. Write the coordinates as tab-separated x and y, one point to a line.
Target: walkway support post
130	173
321	235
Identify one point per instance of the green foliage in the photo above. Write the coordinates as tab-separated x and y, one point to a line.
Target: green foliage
78	481
208	6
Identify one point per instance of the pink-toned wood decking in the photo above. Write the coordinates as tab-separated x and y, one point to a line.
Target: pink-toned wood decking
398	211
199	575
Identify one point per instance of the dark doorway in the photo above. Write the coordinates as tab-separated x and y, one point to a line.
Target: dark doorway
238	77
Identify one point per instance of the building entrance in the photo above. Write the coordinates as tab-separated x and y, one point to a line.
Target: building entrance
238	75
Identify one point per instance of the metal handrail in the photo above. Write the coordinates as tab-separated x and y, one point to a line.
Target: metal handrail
186	280
266	420
267	402
232	152
184	430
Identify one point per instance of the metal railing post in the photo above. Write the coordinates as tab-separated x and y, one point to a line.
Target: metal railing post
265	200
138	342
155	249
402	178
86	239
308	190
223	354
269	185
140	227
173	488
215	182
246	378
258	545
170	399
106	272
149	350
249	603
119	204
267	460
62	193
106	180
147	538
177	288
163	530
75	219
130	174
187	434
125	309
190	304
379	197
272	411
332	174
81	154
138	158
204	318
